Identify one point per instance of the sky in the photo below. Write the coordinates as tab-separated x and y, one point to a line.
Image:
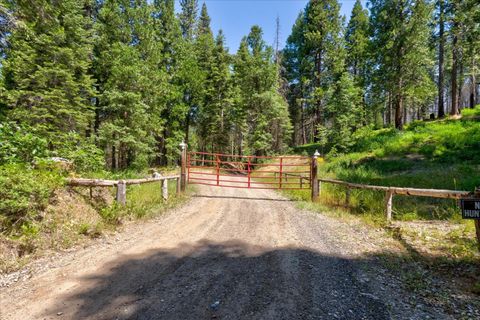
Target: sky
236	17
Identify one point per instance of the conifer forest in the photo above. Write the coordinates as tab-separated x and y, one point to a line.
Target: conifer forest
120	83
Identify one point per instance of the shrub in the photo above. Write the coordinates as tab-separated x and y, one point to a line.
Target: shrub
24	193
86	157
20	144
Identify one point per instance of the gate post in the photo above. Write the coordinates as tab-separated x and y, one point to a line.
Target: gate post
313	176
183	168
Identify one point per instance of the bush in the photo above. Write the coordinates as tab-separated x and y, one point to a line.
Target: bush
20	144
24	193
86	157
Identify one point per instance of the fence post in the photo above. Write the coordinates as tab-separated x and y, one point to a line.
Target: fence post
388	204
314	178
121	192
165	189
301	182
477	221
183	180
178	185
477	231
347	197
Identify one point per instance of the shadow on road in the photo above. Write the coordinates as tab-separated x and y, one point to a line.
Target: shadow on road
229	280
240	198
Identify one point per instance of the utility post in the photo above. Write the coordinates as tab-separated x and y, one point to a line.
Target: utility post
183	169
313	176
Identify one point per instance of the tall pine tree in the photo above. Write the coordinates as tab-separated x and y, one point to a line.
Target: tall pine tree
403	58
46	69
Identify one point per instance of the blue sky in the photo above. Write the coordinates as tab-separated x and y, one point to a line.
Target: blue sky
235	17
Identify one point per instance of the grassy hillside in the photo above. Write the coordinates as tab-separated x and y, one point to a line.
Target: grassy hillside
442	154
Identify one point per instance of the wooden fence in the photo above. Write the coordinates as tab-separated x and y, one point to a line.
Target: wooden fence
121	195
295	176
391	191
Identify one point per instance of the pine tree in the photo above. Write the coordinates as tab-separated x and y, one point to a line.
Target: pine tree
356	37
403	59
169	34
209	66
465	49
215	115
294	58
47	84
357	45
324	45
188	18
190	75
130	88
441	57
262	113
345	112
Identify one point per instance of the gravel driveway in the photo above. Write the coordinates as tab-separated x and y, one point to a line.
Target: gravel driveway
227	254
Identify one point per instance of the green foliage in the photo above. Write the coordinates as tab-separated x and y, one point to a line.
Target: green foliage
20	144
130	86
143	201
402	58
47	84
438	155
24	193
84	154
346	112
262	113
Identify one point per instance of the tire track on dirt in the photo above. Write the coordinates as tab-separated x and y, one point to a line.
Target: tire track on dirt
227	254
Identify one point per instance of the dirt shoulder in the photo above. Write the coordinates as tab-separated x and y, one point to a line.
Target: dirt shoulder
226	254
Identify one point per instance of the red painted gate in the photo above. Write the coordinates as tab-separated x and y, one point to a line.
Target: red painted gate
253	172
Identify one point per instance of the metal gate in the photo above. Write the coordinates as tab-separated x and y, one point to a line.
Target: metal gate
253	172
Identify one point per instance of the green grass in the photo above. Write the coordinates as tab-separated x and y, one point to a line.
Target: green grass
143	201
442	154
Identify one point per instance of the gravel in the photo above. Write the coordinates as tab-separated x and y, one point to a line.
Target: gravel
227	254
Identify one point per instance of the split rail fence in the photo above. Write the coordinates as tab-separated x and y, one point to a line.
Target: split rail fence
121	185
391	191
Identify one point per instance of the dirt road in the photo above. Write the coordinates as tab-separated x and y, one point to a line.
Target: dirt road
227	254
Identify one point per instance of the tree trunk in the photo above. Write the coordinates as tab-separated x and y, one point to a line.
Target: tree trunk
389	109
304	134
454	110
187	127
318	110
441	63
114	158
473	94
460	82
399	111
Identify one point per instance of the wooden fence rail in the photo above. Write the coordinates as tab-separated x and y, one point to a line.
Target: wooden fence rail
391	191
121	195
